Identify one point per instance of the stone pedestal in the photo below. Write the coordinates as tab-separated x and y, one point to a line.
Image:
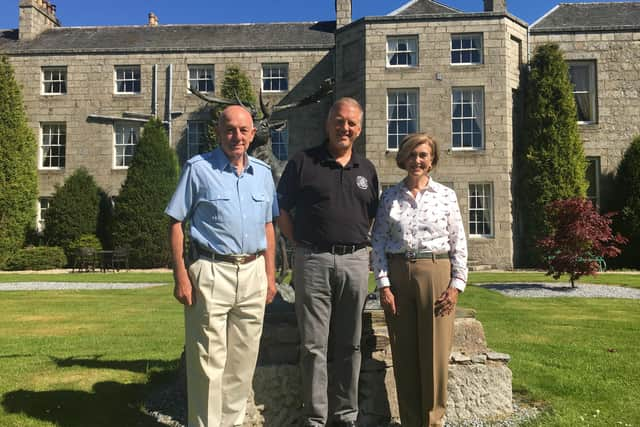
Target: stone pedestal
479	379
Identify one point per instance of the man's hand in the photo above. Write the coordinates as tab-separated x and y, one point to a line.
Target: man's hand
388	301
271	291
183	289
446	304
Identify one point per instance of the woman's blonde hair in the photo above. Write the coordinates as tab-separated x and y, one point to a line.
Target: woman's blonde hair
410	142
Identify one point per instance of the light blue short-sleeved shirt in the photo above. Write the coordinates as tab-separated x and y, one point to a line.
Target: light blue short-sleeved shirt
227	212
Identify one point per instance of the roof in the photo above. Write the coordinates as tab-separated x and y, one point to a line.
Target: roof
570	17
419	7
177	38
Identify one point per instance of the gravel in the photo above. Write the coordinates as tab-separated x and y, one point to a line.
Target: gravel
548	290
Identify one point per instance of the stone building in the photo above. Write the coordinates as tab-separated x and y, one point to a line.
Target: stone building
601	43
425	66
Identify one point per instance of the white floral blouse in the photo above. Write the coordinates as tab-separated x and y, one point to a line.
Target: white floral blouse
429	222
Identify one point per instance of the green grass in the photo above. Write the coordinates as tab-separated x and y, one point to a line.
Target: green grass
623	279
120	277
88	358
84	358
577	355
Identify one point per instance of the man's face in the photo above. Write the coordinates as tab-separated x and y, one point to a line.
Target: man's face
235	132
343	125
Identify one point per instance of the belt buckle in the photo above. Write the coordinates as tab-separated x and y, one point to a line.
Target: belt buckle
411	255
238	259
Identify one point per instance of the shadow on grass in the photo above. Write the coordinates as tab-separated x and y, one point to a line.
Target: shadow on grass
96	362
109	403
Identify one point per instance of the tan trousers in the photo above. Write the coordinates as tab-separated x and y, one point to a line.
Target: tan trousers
223	331
420	342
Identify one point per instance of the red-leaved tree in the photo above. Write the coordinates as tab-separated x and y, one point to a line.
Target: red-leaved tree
579	237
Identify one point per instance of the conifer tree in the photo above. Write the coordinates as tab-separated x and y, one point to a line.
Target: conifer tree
627	200
139	220
551	163
235	85
73	211
18	168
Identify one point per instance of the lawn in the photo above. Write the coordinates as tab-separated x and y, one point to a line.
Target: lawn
88	358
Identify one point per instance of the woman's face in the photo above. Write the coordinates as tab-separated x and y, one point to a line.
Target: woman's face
419	161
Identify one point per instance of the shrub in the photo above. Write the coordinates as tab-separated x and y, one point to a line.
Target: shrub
139	220
85	241
579	236
37	258
627	188
73	210
18	168
551	160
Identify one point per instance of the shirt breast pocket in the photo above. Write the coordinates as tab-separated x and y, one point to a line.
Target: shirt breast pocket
218	206
260	205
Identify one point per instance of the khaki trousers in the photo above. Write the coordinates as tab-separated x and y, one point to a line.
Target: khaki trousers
420	341
223	331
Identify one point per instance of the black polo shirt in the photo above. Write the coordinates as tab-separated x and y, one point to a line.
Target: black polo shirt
333	204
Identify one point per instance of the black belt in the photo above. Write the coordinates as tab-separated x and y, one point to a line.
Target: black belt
414	255
232	258
338	249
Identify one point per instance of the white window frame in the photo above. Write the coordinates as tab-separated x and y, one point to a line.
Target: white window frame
125	138
477	208
405	103
43	205
465	47
467	111
590	91
127	75
275	75
402	47
197	131
280	142
53	145
200	74
54	81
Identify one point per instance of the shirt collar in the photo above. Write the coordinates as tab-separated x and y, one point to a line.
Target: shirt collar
327	158
221	161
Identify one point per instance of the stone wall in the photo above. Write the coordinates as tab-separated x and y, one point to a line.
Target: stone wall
90	90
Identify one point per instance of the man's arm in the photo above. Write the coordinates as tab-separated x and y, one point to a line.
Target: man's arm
270	261
286	225
183	289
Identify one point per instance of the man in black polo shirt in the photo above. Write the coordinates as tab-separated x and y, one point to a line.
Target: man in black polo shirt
334	193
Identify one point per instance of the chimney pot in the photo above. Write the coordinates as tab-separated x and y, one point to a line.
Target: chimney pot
153	19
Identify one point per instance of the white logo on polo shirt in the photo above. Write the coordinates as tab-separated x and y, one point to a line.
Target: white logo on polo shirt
362	182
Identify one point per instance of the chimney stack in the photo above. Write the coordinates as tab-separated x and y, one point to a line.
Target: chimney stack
495	5
153	19
343	13
36	16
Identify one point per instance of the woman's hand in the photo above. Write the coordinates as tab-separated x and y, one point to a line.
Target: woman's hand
446	304
388	301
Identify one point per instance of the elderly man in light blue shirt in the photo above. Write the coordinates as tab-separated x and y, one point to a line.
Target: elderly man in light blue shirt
228	198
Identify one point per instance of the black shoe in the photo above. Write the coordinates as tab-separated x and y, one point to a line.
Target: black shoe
344	424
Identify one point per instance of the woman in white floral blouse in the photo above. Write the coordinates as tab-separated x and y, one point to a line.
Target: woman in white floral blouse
420	265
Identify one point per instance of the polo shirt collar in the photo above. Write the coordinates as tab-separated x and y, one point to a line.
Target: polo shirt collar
327	158
221	161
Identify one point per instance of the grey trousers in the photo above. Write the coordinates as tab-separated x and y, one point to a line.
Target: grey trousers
330	294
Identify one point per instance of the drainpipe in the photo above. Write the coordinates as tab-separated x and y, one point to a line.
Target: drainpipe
169	100
154	94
